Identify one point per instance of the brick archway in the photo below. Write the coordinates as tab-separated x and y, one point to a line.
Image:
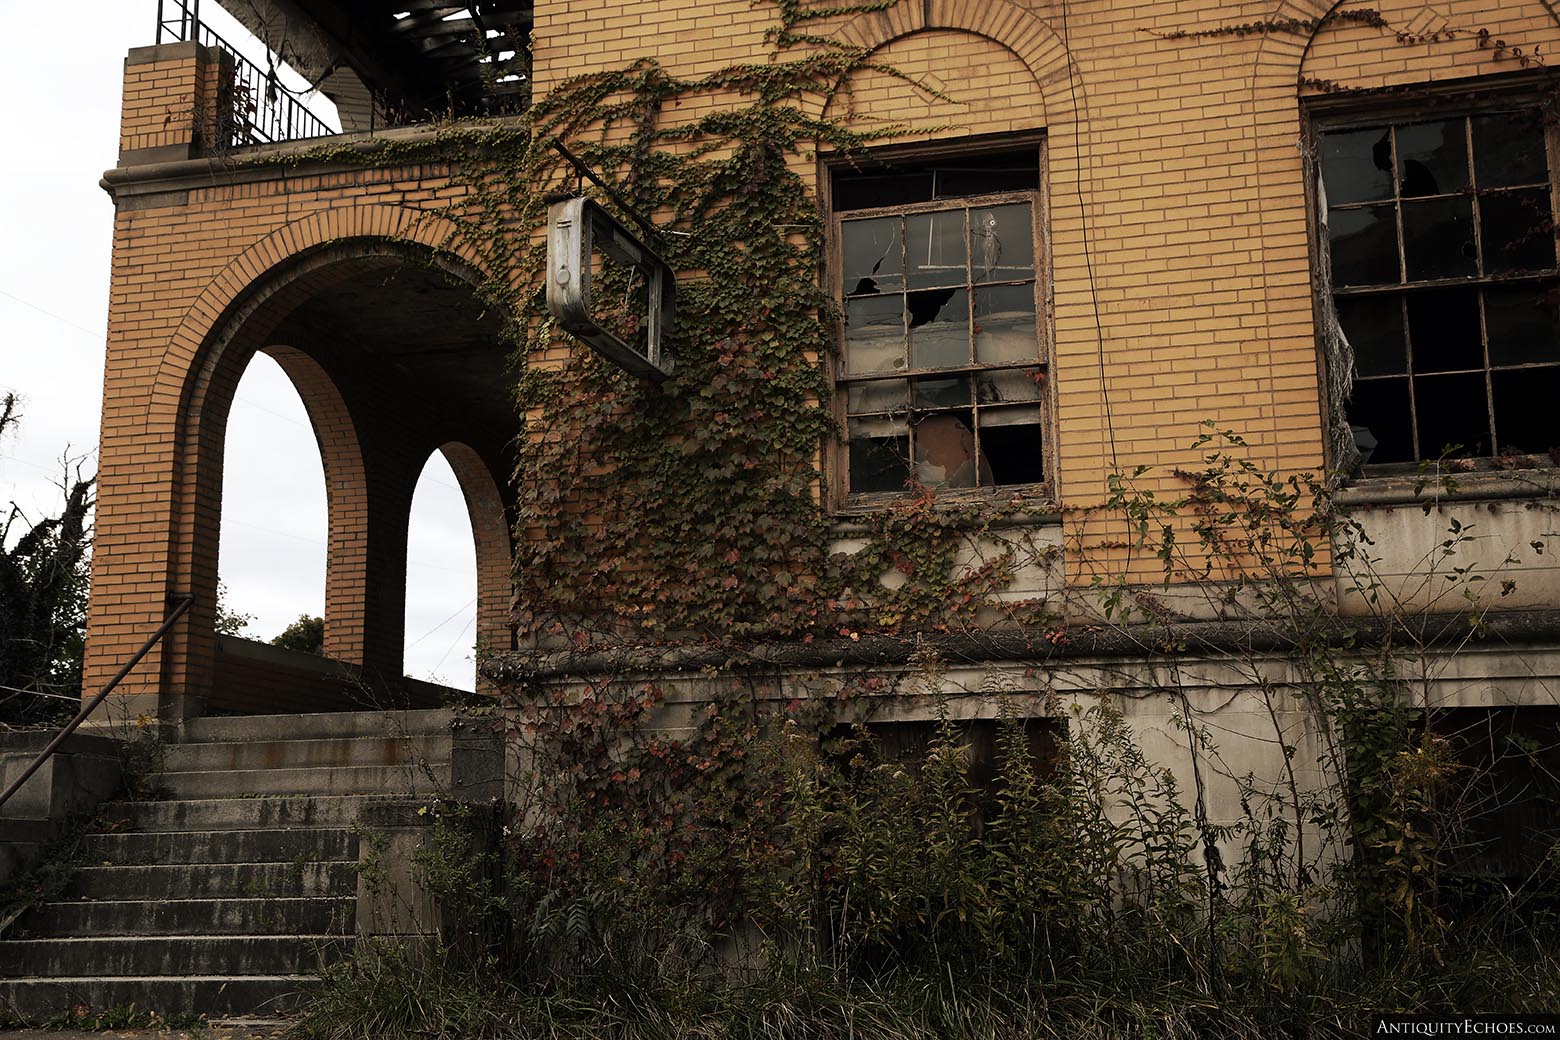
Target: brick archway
175	482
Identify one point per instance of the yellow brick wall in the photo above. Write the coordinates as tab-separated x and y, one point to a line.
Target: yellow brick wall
1178	228
160	100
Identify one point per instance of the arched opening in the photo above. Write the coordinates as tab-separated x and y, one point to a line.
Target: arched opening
441	581
394	359
271	567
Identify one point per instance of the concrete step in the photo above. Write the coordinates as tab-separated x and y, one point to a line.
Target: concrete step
38	998
237	814
318	753
170	955
321	726
272	916
396	780
260	846
217	880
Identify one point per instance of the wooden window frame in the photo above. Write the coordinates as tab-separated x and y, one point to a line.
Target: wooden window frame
1465	102
837	459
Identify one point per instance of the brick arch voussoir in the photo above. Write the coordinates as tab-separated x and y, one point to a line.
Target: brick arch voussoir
1281	57
341	455
1021	31
217	302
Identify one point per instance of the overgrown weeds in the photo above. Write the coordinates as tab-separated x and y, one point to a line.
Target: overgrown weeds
770	872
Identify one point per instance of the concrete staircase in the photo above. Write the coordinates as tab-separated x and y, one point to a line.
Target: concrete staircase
225	895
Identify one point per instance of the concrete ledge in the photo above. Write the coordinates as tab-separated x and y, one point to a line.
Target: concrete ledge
1429	489
83	772
1028	643
181	51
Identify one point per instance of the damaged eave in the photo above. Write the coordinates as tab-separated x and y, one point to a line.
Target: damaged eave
434	57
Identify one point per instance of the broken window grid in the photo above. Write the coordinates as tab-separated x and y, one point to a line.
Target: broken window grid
1440	237
942	367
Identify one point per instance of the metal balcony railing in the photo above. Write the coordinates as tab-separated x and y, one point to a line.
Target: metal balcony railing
255	108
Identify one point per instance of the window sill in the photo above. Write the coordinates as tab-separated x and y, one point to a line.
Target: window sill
1020	505
1479	481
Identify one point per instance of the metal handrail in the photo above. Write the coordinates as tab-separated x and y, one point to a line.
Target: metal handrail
91	706
256	108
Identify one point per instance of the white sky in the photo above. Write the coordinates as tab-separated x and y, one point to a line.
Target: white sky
60	110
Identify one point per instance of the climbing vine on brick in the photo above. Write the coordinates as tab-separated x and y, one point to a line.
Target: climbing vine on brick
693	508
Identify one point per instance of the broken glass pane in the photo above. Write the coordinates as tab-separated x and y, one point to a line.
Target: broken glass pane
1518	231
856	190
1525	409
873	263
1523	324
879	455
934	249
884	395
1432	158
1015	384
1374	328
1453	415
1438	239
989	178
1443	330
1005	327
1364	246
1357	165
939	328
1382	423
1011	442
953	391
1508	149
874	334
1002	243
945	453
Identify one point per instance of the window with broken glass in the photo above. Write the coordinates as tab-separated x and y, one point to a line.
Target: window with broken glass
942	372
1440	236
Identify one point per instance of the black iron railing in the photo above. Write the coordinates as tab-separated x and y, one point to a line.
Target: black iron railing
255	108
102	695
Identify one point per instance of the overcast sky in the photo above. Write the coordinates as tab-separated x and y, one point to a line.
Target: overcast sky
60	111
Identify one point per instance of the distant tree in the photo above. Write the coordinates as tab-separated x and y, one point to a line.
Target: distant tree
306	634
228	622
44	571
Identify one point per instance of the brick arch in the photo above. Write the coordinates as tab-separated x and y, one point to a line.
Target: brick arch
236	286
1281	56
490	534
232	319
1005	22
341	454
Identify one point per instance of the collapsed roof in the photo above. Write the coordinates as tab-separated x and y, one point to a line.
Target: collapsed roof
399	61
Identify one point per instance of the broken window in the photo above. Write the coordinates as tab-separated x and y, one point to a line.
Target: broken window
1440	239
909	744
940	277
1502	801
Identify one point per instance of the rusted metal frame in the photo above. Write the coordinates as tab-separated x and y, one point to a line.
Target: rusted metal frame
1391	119
963	205
87	709
835	460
